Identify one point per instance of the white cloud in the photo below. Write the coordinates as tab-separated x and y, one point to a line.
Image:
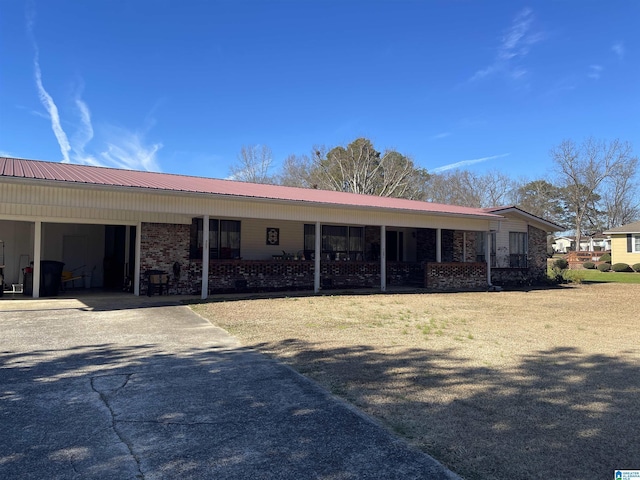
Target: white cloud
441	135
124	149
595	72
514	45
465	163
619	50
129	150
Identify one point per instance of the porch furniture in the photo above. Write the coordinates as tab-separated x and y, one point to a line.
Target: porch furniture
67	277
157	281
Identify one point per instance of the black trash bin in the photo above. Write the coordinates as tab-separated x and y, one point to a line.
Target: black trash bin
50	277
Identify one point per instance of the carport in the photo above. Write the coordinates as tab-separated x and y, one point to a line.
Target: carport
95	255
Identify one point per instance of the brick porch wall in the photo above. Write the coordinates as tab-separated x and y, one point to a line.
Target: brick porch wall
162	245
270	275
451	276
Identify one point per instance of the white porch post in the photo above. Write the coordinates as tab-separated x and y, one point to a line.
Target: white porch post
37	256
205	257
316	261
488	257
383	258
127	247
439	245
136	269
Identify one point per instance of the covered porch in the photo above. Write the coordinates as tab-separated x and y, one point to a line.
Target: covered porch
251	256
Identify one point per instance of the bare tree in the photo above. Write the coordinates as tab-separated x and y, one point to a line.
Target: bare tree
583	170
468	189
254	162
620	199
356	168
497	189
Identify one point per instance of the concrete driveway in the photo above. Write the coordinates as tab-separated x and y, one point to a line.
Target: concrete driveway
119	387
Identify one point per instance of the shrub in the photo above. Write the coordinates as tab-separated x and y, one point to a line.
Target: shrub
636	267
574	276
589	265
604	267
606	258
557	271
621	267
560	264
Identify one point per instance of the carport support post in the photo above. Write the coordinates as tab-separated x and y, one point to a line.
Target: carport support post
205	257
383	258
488	257
439	245
316	264
37	255
136	270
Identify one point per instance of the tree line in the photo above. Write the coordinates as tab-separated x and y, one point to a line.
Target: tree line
594	185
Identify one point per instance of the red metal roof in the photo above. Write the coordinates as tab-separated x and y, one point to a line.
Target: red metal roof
90	175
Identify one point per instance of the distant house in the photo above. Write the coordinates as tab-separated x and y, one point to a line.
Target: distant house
600	242
625	243
114	228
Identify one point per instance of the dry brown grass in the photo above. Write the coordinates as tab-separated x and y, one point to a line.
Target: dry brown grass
509	385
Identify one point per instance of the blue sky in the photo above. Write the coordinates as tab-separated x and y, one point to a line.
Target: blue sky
181	86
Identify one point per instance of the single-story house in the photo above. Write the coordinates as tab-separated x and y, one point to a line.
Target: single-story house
594	243
625	243
113	228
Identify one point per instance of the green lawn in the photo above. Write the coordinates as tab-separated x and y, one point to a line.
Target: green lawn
596	276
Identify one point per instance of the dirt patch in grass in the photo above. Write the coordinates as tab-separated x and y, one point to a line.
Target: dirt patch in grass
510	385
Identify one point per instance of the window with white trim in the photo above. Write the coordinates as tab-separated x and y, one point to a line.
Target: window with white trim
518	249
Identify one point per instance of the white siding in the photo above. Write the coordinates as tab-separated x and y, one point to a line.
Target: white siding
101	205
254	238
502	238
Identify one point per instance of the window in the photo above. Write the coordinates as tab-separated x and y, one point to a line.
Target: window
338	242
224	239
517	250
334	240
634	244
481	247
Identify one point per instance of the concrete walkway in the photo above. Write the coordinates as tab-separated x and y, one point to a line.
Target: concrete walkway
123	387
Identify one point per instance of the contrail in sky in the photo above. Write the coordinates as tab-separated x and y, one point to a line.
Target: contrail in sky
464	163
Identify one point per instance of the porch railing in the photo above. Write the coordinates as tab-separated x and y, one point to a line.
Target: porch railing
266	275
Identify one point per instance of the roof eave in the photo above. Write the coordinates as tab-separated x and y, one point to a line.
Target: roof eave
554	226
161	191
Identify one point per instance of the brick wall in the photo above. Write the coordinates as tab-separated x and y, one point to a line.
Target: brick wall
537	256
447	277
426	245
161	246
269	275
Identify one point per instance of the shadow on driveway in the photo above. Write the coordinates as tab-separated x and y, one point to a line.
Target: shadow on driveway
159	392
